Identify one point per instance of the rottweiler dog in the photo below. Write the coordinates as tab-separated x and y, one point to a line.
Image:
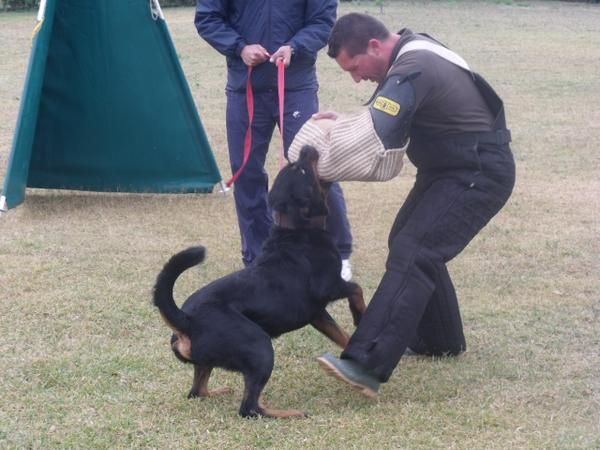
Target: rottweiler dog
230	322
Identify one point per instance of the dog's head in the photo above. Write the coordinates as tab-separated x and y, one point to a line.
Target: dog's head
297	196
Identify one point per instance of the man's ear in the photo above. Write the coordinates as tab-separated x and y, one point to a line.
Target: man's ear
373	47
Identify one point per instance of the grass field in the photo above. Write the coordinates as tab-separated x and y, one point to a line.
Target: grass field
84	357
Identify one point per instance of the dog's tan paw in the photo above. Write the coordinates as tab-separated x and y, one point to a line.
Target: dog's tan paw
209	393
285	413
220	391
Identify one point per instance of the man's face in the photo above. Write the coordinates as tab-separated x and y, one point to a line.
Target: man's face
364	66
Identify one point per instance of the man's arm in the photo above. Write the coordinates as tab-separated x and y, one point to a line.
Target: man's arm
392	110
212	24
318	22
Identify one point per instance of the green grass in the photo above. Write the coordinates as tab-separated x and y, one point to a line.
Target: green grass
84	357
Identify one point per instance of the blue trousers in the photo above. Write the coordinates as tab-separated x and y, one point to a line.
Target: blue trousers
250	190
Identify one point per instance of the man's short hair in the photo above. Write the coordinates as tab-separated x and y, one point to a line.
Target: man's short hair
352	32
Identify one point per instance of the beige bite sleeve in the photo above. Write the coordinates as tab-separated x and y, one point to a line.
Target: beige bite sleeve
349	149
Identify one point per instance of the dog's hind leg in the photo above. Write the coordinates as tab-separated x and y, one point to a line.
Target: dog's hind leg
356	302
200	384
258	365
252	404
329	327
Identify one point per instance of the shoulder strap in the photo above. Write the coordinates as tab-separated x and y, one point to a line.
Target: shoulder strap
448	55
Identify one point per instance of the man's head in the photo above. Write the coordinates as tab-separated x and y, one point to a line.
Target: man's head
362	46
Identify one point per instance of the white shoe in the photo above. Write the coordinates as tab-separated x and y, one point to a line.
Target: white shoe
346	272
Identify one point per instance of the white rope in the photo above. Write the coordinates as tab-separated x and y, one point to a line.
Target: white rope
156	10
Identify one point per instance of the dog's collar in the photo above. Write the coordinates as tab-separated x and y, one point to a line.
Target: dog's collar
284	221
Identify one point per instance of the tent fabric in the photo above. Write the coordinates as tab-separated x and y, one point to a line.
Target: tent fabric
106	107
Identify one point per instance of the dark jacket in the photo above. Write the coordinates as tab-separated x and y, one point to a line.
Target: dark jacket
456	112
229	25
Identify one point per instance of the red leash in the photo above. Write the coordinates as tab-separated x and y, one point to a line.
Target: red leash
248	138
281	94
250	107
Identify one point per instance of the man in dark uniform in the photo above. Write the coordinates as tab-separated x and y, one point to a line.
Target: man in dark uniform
459	144
255	34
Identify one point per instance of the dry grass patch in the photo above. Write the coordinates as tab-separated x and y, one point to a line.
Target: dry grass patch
84	357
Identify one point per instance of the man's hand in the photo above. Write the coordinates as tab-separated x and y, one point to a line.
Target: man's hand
254	54
331	115
284	52
325	120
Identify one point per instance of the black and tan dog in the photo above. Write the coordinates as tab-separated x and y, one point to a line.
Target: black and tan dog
230	322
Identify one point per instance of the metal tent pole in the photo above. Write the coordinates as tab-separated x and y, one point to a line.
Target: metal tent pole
41	11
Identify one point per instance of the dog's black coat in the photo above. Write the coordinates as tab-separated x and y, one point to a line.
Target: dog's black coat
230	322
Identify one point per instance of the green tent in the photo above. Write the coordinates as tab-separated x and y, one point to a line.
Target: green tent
106	106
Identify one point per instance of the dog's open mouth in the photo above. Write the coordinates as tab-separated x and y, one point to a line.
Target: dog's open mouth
297	197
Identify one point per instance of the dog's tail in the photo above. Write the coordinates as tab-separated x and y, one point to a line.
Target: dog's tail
163	289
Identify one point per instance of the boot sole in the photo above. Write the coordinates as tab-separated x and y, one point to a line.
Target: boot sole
330	369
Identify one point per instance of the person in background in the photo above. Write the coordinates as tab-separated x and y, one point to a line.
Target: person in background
459	144
255	34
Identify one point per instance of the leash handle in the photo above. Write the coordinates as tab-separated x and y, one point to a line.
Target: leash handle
281	95
248	138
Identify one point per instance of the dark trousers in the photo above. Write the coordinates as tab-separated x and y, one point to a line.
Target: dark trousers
250	190
415	302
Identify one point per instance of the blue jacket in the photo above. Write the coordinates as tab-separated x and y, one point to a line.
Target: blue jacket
229	25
